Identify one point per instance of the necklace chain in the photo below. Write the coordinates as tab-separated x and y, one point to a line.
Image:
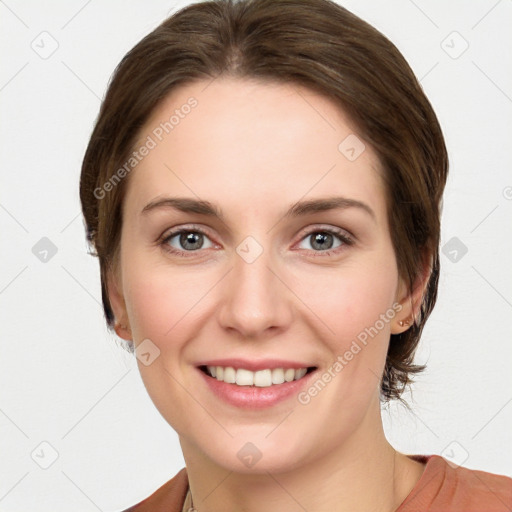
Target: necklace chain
191	508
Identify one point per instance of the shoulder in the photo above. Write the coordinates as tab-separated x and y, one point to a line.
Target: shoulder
448	487
169	497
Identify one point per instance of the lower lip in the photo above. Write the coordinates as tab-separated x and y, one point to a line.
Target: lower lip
254	397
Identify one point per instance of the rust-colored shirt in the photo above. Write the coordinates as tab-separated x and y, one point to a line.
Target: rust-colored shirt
441	488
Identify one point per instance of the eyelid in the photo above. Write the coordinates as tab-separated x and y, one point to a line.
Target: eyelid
184	227
325	227
172	232
305	231
346	237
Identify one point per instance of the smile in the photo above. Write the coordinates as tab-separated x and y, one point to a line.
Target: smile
245	389
261	378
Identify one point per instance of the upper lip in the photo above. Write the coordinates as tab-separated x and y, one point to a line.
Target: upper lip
254	365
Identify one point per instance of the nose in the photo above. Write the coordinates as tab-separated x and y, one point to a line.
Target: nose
256	300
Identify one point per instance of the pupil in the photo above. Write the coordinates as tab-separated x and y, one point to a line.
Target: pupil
190	238
320	238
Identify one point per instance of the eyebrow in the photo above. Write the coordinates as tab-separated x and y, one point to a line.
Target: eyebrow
299	209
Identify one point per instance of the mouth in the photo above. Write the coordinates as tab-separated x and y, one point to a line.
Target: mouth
262	378
256	390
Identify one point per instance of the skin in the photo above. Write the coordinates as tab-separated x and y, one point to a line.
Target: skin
253	149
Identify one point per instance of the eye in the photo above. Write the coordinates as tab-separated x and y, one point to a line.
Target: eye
190	239
186	241
322	240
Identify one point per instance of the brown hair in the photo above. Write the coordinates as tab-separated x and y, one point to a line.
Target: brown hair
313	43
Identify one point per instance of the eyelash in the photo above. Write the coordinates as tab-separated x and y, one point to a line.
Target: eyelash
347	241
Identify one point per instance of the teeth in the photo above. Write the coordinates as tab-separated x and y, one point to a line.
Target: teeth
261	378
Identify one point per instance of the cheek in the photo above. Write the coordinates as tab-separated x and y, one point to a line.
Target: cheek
160	305
358	308
155	303
162	301
354	297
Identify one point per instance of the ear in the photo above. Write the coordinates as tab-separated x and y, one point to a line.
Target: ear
118	305
411	301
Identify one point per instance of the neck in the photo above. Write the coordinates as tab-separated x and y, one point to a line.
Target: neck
364	473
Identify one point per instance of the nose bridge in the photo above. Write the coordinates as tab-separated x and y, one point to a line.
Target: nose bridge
255	299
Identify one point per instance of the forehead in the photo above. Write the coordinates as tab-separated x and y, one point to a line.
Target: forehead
244	140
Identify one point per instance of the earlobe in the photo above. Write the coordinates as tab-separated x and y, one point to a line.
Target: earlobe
411	302
123	331
117	303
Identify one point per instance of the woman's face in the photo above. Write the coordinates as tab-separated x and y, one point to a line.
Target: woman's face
306	287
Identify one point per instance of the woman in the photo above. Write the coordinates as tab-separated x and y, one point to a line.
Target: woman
262	188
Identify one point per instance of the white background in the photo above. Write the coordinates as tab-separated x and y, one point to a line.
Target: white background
65	381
